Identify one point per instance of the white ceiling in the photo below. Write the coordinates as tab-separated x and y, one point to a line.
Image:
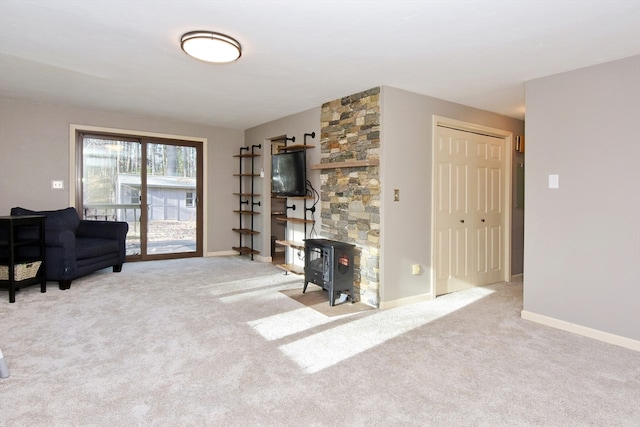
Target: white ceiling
125	55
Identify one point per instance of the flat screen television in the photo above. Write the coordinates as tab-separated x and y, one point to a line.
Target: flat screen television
289	173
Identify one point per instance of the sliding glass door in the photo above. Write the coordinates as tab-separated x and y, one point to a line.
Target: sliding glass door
171	198
154	185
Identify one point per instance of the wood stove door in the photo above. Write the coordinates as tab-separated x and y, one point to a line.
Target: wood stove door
313	270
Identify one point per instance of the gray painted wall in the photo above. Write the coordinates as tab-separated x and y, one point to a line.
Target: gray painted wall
406	165
582	240
34	149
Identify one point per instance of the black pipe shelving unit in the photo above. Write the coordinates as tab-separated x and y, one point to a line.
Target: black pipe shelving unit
291	246
248	199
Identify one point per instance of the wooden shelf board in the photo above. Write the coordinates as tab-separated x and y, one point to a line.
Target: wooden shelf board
246	155
244	250
295	147
246	174
247	194
245	231
349	164
296	220
290	244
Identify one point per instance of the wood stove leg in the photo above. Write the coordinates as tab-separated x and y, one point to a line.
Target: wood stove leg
304	289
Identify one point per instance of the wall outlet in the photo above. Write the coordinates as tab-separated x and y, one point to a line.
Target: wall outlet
57	185
416	269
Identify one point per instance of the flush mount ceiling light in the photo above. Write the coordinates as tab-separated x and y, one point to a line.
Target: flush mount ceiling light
211	47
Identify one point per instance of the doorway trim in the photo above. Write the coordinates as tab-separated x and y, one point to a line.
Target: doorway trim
507	137
73	176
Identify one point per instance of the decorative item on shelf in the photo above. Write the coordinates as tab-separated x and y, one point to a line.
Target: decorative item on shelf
519	145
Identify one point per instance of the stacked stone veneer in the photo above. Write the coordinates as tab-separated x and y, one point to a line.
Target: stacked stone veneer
350	196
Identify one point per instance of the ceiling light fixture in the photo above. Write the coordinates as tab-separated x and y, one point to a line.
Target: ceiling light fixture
211	47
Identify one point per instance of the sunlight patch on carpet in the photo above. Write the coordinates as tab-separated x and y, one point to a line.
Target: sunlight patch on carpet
289	323
263	295
324	349
250	285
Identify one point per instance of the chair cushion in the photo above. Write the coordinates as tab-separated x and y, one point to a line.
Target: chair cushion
88	247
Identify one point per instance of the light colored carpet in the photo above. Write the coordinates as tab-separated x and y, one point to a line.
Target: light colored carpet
227	341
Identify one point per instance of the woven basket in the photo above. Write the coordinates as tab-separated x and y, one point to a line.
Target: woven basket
21	271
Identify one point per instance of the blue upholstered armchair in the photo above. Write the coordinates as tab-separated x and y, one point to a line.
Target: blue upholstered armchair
75	247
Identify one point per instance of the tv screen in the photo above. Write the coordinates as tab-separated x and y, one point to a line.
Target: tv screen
288	173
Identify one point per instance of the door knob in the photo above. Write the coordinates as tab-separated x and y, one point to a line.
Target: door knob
482	220
462	221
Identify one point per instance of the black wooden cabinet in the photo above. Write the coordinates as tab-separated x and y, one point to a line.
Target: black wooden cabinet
22	254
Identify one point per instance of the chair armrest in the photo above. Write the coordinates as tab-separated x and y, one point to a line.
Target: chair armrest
116	230
60	237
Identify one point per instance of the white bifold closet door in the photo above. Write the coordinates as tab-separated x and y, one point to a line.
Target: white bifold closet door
470	219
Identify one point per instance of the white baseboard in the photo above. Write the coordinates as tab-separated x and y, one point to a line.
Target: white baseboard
262	258
517	277
221	253
582	330
234	253
405	301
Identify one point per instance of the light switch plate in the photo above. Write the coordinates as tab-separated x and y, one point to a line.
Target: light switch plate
57	185
554	181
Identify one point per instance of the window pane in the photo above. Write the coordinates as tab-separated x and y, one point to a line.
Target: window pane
171	173
111	184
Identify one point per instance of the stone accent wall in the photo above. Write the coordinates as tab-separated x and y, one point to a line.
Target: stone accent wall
350	196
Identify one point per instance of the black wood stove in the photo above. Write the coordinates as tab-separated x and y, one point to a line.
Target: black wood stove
329	264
